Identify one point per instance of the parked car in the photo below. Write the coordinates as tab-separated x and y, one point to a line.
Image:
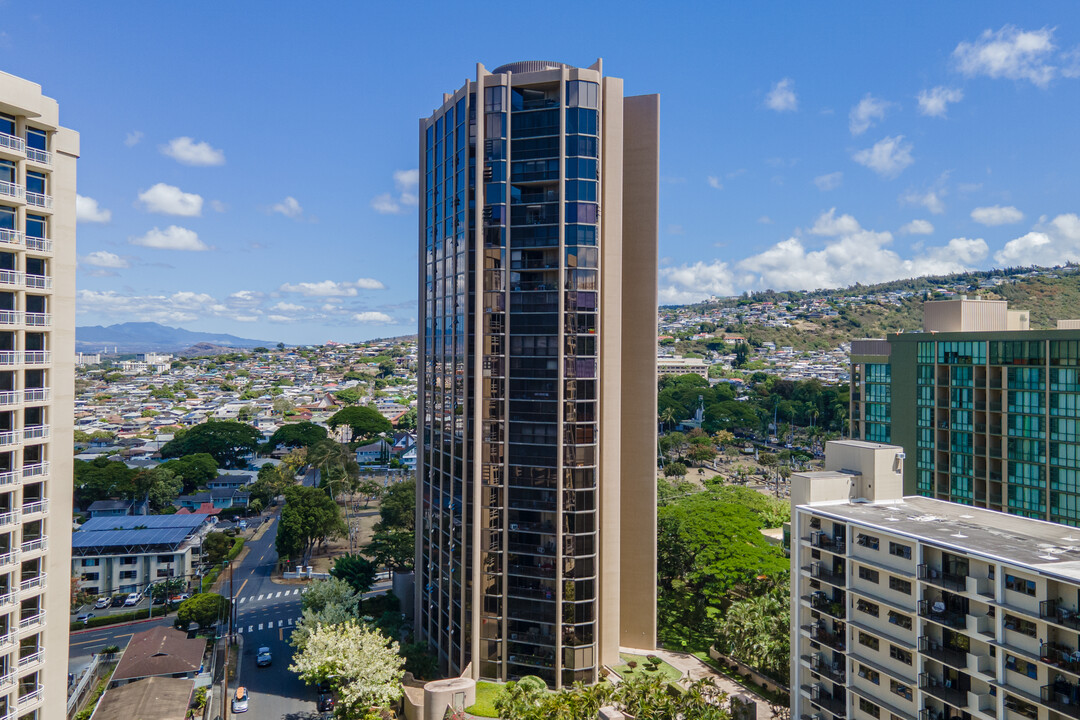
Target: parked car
84	617
102	602
325	703
263	659
242	524
118	601
240	700
132	599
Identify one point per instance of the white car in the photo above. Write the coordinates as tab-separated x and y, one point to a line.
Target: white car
102	602
263	659
132	599
240	700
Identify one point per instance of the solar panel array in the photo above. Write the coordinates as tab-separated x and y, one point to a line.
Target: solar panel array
130	530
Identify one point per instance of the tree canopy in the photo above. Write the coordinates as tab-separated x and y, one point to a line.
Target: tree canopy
308	518
193	470
364	422
206	609
226	441
294	435
102	479
360	662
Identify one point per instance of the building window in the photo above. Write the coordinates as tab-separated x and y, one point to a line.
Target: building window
128	560
868	574
900	620
868	640
1020	585
1024	667
90	576
1020	625
900	654
900	551
165	558
128	574
869	708
900	585
91	562
867	541
900	689
867	607
870	674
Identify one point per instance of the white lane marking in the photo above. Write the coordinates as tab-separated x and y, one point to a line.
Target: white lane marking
240	630
242	600
290	621
278	595
260	597
251	628
260	626
296	591
280	623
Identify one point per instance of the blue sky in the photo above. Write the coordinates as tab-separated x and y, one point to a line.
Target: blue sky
249	167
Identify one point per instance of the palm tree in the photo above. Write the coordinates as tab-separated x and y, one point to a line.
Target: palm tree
667	417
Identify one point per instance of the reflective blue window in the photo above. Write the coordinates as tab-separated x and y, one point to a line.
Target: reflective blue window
581	145
7	218
7	125
35	139
581	235
584	168
581	190
581	93
580	120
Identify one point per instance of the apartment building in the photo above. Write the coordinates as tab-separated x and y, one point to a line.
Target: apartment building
987	409
37	351
536	493
908	607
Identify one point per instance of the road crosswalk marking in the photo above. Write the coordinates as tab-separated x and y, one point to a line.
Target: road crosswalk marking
260	597
278	595
251	628
260	626
242	600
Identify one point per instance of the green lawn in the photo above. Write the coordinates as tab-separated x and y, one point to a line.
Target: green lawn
486	692
667	672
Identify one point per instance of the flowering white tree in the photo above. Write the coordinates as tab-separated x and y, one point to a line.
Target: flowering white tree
363	663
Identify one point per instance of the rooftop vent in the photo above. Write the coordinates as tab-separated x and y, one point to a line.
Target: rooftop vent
526	66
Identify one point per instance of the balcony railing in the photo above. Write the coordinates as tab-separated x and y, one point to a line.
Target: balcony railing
32	621
11	277
11	237
834	671
1061	656
10	477
9	357
38	282
10	397
824	542
35	395
28	546
935	610
942	689
836	705
32	696
36	432
11	189
9	597
9	437
818	572
40	200
9	518
37	357
39	244
36	470
1055	611
9	558
836	641
39	156
10	317
34	582
949	581
31	658
939	651
38	319
33	508
11	142
1062	696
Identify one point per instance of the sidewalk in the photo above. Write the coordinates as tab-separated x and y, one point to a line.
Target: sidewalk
695	669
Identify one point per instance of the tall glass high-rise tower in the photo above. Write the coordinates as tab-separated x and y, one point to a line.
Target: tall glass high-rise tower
536	493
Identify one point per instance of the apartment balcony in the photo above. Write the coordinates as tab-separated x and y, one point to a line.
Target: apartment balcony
12	143
935	576
10	397
836	640
37	357
36	470
834	671
10	189
31	659
1055	611
35	395
38	282
41	157
822	541
35	508
942	689
33	583
36	432
836	705
10	437
1063	697
38	319
36	692
823	603
8	597
11	237
37	244
936	611
39	200
11	317
9	558
32	621
11	278
10	357
947	654
9	518
10	477
818	572
1060	656
35	545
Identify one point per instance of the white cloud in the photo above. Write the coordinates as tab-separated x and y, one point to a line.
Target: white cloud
829	182
218	206
888	157
88	210
289	207
850	254
246	318
329	288
1052	243
714	182
188	152
245	298
935	102
171	238
866	114
996	215
372	316
406	182
279	318
105	259
917	227
931	200
782	96
182	306
288	307
171	200
1009	53
1071	63
765	220
132	138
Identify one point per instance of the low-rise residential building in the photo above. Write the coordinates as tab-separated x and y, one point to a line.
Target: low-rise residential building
160	652
126	554
909	607
681	366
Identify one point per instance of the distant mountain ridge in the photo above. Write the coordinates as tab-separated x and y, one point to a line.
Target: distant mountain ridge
153	337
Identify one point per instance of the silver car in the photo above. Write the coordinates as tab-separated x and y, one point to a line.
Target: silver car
240	700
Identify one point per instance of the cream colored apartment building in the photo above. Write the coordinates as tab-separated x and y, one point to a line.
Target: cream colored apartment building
911	607
37	350
536	469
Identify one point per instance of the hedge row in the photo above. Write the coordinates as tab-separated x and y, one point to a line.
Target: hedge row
94	622
211	577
